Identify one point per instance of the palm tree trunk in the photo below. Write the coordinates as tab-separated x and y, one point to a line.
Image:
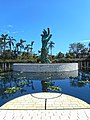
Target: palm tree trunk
10	48
4	45
51	54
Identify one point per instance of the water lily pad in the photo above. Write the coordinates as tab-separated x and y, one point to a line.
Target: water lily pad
47	82
12	90
23	83
84	82
72	77
54	88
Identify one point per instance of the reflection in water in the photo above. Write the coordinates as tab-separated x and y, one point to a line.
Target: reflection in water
50	76
82	80
15	84
11	82
46	85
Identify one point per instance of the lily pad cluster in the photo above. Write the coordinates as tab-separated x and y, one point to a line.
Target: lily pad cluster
54	88
47	82
72	77
15	89
84	82
23	83
12	89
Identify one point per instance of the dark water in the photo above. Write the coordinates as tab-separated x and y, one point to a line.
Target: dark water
15	84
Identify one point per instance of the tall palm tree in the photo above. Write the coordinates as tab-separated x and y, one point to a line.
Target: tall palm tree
17	48
21	44
32	42
1	45
89	48
4	38
51	45
10	42
27	47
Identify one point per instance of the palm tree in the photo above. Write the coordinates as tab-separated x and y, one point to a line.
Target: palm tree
89	47
17	48
1	45
51	45
10	42
21	44
27	47
32	42
4	38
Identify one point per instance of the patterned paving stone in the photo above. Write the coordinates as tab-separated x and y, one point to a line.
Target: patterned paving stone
44	101
79	114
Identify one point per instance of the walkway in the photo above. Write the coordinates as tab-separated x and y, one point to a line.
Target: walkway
45	106
45	114
45	101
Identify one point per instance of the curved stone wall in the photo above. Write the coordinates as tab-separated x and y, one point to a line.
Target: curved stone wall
27	67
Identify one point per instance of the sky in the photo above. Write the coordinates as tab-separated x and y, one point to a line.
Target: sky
68	20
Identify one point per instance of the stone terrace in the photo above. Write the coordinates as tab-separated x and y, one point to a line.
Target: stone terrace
45	106
45	101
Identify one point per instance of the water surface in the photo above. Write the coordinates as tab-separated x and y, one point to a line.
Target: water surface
15	84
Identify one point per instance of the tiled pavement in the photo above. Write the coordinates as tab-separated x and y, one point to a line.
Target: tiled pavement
80	114
44	100
58	107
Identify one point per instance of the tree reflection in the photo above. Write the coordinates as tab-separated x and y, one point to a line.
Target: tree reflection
11	83
48	84
80	81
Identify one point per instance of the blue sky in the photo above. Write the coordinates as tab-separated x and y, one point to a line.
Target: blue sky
68	20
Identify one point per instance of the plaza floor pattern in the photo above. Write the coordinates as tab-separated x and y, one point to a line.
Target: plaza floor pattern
45	106
45	101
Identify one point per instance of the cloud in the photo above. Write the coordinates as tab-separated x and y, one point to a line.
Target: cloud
85	41
10	26
6	26
8	32
6	29
10	29
14	32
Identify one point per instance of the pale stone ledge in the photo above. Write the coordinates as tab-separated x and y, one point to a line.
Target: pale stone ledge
27	67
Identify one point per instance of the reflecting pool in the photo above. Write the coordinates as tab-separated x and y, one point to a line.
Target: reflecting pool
15	84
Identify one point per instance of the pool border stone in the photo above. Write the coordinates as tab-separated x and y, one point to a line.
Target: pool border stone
57	67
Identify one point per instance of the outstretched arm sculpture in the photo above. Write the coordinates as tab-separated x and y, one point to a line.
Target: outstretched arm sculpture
44	50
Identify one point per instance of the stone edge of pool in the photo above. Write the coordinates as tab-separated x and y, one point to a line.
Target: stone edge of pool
28	67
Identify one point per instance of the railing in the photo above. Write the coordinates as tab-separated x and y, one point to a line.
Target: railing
5	67
84	66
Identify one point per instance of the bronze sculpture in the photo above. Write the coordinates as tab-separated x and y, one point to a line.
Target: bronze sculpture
44	50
